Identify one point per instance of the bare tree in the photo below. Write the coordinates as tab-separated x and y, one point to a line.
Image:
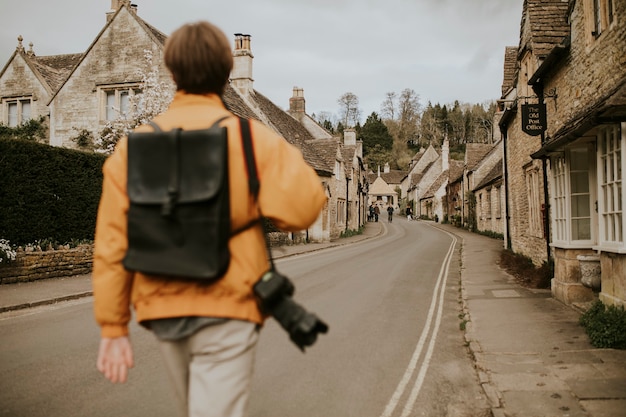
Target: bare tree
349	109
388	108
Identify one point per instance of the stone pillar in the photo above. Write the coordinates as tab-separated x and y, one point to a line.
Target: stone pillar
566	284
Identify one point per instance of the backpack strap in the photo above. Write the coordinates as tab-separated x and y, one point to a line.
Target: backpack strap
253	177
248	149
254	184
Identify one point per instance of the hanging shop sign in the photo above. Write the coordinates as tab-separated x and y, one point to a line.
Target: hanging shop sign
534	119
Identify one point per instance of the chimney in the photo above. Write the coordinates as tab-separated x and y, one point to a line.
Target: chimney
386	169
445	154
349	137
296	102
116	4
241	76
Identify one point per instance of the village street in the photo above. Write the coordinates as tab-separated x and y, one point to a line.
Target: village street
394	347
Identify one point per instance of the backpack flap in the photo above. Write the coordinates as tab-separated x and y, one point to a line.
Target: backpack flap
190	164
179	213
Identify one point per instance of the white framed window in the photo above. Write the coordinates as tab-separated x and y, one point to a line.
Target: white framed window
17	111
580	193
559	199
611	144
116	101
573	197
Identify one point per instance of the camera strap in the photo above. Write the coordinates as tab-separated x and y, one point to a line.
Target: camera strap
253	180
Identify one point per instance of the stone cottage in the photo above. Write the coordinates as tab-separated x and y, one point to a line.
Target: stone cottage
582	82
83	92
543	26
28	82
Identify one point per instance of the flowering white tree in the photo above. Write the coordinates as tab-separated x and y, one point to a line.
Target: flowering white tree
6	252
154	97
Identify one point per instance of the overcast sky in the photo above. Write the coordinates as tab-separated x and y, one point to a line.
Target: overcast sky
444	50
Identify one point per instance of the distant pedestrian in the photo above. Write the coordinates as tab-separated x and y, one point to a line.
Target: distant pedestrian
409	213
390	214
376	213
370	215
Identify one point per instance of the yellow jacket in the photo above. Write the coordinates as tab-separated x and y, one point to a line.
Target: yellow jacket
291	194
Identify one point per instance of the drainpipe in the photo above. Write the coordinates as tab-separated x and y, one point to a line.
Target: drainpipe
507	217
504	121
347	201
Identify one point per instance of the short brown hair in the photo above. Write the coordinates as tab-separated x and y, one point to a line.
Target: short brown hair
199	57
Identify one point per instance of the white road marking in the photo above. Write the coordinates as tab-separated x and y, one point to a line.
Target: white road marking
436	303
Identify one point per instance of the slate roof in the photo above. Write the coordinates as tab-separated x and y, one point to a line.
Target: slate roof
547	25
474	153
380	187
54	68
292	131
443	177
235	103
493	175
391	177
510	67
326	150
456	170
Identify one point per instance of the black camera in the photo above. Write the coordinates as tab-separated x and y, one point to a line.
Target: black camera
274	292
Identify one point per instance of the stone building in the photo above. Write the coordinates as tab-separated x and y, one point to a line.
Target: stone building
582	82
28	82
489	192
420	163
83	92
577	68
543	26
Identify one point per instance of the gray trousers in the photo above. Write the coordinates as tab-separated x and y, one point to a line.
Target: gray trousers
211	369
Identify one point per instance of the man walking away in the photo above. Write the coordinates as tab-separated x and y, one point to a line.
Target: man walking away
207	333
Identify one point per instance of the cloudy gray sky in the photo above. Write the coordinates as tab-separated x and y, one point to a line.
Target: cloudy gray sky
442	49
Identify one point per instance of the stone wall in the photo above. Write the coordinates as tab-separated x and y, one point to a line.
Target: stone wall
566	284
32	266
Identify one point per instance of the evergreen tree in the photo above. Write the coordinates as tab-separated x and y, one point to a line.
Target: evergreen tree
374	132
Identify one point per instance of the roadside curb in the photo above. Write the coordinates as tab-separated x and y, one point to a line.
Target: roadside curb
4	309
77	293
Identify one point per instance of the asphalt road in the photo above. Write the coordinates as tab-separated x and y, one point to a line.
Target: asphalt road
394	348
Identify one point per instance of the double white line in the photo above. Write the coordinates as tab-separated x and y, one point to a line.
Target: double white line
436	303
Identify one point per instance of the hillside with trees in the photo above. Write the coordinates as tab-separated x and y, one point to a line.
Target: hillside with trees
403	126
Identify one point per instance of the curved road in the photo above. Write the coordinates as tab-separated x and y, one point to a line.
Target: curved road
394	349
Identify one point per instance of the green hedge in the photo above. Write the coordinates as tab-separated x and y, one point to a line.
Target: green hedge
47	192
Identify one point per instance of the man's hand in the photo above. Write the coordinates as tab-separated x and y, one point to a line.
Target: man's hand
115	357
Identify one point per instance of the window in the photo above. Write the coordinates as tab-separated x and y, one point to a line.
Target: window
117	102
17	111
498	202
600	15
611	199
580	199
533	186
341	211
572	196
337	170
488	201
597	18
559	199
